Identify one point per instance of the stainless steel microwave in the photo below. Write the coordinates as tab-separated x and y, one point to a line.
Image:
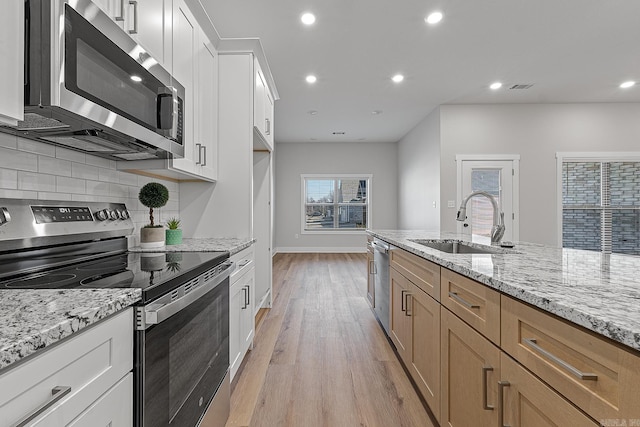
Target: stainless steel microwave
90	87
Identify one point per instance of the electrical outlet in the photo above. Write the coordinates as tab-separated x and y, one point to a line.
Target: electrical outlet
434	204
296	235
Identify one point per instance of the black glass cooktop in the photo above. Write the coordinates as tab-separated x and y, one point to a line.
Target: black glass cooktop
154	273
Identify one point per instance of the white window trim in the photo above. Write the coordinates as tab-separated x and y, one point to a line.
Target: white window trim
515	160
369	178
588	156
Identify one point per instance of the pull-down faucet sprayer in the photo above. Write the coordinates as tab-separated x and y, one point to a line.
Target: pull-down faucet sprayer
497	231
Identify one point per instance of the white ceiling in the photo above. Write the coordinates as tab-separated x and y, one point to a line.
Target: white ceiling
571	50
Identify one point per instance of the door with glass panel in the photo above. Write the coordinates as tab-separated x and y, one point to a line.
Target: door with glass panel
496	177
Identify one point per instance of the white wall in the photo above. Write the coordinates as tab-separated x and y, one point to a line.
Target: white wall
419	176
292	160
35	170
536	132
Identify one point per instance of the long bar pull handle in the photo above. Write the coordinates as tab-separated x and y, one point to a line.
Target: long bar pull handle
501	386
245	292
268	126
121	17
135	17
57	393
485	390
204	156
243	263
199	148
408	298
404	300
462	301
532	343
372	269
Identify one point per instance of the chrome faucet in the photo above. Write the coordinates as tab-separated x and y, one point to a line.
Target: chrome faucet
497	231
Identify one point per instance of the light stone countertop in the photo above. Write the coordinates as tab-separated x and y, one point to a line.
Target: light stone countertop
211	244
596	291
35	319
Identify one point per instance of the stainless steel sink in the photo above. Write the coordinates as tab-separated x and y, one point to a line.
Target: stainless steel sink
460	247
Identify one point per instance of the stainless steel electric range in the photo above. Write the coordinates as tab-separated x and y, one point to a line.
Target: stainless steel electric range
181	324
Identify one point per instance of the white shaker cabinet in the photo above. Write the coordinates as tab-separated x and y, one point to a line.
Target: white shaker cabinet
85	377
241	320
263	108
12	64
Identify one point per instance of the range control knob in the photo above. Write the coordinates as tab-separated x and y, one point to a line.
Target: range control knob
113	215
4	216
102	215
124	214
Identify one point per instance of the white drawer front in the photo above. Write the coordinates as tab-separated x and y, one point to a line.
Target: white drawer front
244	261
90	363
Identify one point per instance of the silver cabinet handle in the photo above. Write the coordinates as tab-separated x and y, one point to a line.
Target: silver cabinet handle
57	393
532	343
135	17
408	298
372	266
501	386
485	391
246	293
462	301
199	148
243	263
267	126
404	300
203	160
121	17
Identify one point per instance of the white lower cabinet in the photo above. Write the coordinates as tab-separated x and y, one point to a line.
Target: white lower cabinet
241	319
92	367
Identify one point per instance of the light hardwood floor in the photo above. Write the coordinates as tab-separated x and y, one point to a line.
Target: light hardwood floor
320	358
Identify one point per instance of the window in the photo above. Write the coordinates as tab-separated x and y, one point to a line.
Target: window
601	205
335	203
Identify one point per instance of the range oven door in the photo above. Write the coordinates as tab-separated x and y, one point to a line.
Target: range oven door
182	361
82	63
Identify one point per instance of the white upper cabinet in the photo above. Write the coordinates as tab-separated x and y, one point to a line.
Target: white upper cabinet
207	111
262	108
12	63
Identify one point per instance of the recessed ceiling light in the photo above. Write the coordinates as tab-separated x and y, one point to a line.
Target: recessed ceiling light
308	18
313	112
397	78
136	78
376	112
628	84
311	78
495	86
433	18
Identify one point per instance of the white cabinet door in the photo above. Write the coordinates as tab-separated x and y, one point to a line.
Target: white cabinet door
149	23
241	320
259	118
185	34
117	10
12	63
207	112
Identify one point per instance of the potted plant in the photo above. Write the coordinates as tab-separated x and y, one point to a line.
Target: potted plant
152	195
173	234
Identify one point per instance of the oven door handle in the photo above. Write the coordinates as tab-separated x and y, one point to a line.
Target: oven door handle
157	313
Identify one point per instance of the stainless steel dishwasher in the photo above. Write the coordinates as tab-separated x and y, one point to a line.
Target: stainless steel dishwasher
381	270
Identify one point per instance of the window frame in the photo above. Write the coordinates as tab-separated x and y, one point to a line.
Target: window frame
303	204
596	157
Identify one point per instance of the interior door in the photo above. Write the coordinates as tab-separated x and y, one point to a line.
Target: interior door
498	178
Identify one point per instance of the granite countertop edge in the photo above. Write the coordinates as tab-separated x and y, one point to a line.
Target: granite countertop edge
627	335
37	319
233	245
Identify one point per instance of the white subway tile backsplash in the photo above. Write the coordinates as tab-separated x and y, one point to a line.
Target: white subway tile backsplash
54	196
119	191
18	194
8	140
36	147
97	188
128	179
70	185
71	155
98	161
36	181
79	170
53	166
87	198
108	175
19	160
9	179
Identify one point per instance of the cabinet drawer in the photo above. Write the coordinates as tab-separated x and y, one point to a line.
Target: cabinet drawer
425	274
89	362
473	302
244	261
596	375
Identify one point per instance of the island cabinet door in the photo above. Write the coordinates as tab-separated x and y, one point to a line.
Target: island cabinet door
528	402
470	373
400	321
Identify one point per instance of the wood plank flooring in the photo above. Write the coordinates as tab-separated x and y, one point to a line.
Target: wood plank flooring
320	358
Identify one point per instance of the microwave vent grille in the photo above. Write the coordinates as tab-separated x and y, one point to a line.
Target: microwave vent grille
35	122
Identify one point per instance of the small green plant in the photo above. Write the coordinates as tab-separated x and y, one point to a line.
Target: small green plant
173	224
153	195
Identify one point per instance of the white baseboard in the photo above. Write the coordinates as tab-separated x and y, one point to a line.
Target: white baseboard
328	250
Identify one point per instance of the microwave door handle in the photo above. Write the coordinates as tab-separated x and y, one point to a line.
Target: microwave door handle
174	116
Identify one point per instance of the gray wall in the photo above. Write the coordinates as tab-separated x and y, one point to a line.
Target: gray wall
419	176
536	132
292	160
35	170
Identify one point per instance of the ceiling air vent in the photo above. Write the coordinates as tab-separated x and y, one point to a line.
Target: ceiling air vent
521	86
339	133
